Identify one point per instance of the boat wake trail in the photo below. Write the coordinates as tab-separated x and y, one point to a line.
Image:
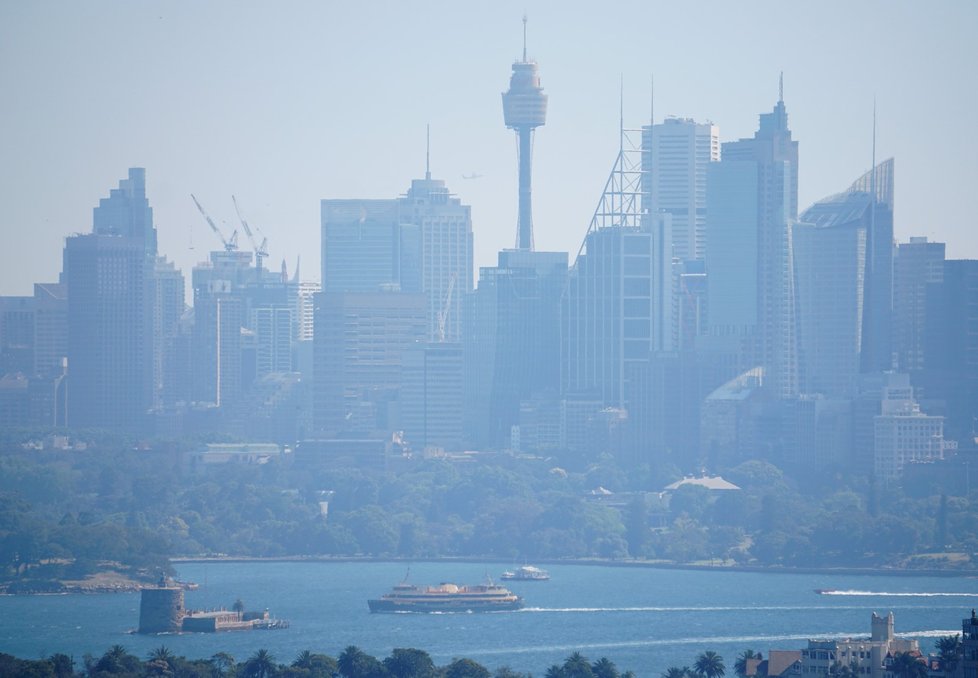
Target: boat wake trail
740	608
901	594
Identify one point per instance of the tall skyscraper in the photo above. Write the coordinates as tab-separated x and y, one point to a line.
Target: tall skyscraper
360	341
168	308
608	315
830	265
366	247
751	206
675	157
951	346
877	183
445	226
525	109
50	328
918	264
109	276
511	341
126	212
843	259
432	395
219	314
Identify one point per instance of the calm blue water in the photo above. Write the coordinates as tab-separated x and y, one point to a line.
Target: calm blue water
642	619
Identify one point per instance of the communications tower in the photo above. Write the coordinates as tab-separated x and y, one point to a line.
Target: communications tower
525	109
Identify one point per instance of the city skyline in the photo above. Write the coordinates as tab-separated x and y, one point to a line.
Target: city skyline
203	112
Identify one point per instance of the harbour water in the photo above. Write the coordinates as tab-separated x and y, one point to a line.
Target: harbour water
642	619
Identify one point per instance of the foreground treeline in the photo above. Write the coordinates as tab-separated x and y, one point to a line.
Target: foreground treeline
351	663
63	511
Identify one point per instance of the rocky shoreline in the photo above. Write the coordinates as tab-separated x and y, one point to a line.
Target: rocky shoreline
109	581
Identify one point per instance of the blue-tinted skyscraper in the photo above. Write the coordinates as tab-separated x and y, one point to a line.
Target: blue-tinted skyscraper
511	348
843	248
752	204
126	212
109	276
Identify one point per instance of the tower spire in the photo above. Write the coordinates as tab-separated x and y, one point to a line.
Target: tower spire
427	153
524	38
781	88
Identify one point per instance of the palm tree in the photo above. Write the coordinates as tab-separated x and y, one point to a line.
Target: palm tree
710	665
604	668
907	665
740	666
555	671
260	665
355	663
303	661
577	666
466	668
222	663
112	660
161	653
676	672
950	648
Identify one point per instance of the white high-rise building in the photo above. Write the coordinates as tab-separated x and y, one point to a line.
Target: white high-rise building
675	155
305	309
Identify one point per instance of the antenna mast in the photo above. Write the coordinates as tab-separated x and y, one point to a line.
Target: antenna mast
524	38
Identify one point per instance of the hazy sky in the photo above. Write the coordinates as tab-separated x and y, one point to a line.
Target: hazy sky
285	103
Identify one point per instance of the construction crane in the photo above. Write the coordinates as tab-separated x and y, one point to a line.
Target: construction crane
443	314
229	245
261	251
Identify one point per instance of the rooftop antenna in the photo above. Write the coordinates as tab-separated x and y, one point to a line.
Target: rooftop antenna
427	153
651	101
524	38
781	88
873	176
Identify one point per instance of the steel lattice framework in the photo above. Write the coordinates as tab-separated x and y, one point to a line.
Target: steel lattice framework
621	201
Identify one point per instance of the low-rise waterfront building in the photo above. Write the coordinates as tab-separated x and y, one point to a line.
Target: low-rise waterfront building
866	656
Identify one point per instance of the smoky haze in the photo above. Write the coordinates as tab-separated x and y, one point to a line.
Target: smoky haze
283	108
422	282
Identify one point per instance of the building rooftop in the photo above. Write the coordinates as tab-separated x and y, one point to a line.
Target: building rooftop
709	482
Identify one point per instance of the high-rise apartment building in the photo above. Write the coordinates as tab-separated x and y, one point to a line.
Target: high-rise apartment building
675	157
168	308
752	203
219	314
50	328
17	335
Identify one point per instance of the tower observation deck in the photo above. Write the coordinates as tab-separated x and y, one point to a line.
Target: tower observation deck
525	109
